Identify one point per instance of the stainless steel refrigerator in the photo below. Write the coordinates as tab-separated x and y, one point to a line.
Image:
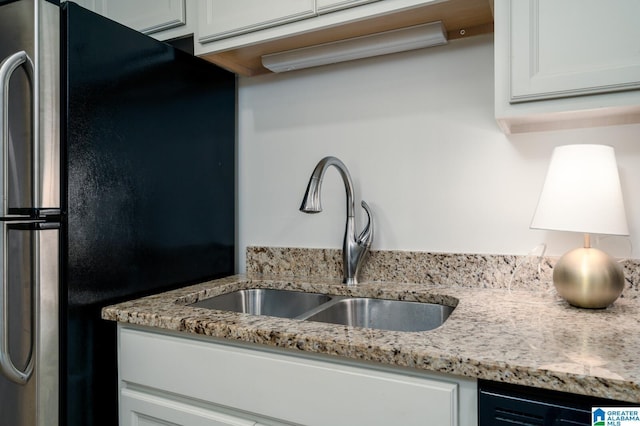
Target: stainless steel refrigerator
117	177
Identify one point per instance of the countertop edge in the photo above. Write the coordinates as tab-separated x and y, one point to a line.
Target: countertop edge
166	311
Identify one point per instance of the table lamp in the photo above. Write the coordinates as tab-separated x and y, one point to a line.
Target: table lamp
582	193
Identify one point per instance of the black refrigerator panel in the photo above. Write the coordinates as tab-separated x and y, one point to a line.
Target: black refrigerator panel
149	164
150	155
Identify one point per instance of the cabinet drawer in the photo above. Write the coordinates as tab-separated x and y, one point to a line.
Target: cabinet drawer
284	387
223	18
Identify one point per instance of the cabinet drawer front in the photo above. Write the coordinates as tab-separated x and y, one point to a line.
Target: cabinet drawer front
303	391
573	47
223	18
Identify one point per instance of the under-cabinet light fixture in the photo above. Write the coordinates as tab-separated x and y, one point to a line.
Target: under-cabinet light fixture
415	37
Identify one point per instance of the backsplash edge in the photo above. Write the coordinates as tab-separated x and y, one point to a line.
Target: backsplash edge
532	273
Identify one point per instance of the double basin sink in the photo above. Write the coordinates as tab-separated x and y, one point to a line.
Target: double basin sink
381	314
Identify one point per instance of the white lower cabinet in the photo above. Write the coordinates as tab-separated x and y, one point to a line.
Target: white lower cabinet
138	408
169	379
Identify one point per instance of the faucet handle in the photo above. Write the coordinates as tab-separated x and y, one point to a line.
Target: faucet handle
366	236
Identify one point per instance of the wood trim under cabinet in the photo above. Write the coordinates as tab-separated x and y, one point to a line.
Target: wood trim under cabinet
461	18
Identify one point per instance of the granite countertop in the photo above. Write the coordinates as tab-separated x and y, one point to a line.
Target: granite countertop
524	337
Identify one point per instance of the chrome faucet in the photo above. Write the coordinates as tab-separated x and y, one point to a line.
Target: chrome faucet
354	249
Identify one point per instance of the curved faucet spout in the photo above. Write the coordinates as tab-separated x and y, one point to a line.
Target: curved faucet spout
311	201
354	249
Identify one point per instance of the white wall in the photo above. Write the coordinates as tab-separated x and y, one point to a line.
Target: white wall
418	134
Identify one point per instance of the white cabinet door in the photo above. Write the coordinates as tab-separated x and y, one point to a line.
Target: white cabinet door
573	47
146	16
325	6
566	64
224	18
143	409
93	5
161	19
288	388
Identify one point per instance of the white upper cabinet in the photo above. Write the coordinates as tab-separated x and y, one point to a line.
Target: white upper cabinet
161	19
90	4
146	16
236	34
325	6
224	18
580	58
573	47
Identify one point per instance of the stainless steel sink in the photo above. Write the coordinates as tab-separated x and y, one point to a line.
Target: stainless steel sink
395	315
275	303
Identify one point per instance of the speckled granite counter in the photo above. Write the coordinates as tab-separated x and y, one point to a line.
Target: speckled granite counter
523	337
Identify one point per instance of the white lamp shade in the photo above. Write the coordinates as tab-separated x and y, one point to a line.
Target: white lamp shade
582	193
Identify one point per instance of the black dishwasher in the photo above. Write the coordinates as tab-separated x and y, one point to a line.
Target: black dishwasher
501	404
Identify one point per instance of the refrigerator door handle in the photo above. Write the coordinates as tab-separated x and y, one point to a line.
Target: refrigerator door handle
7	367
7	67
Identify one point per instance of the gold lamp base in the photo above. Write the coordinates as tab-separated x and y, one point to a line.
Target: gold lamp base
588	278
